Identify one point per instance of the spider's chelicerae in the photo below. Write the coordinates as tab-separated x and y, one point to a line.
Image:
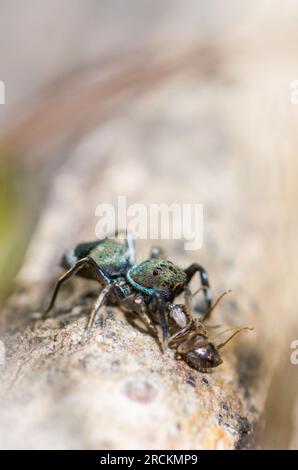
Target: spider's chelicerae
147	291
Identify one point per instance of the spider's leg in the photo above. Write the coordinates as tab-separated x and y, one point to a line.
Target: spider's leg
136	304
71	272
187	300
101	300
81	263
144	314
160	305
190	271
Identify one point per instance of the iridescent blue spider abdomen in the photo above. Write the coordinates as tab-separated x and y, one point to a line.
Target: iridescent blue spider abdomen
156	276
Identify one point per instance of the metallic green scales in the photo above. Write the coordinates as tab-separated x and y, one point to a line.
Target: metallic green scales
157	276
111	256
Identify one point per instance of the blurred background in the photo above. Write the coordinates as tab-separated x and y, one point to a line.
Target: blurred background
165	101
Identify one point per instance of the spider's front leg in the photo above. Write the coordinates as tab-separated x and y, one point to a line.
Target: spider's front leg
80	264
158	305
71	272
136	303
100	302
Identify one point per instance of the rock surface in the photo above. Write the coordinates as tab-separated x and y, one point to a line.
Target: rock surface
117	390
190	124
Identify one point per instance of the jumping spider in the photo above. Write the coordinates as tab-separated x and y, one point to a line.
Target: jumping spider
147	291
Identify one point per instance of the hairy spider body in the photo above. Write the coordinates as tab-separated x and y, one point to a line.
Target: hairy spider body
158	276
147	289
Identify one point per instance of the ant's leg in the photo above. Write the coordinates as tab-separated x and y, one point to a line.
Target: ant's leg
188	296
207	314
101	300
71	272
236	331
179	335
156	252
190	271
187	336
203	341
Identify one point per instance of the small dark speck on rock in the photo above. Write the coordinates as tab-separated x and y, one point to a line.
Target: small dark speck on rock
205	381
191	381
35	341
110	334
